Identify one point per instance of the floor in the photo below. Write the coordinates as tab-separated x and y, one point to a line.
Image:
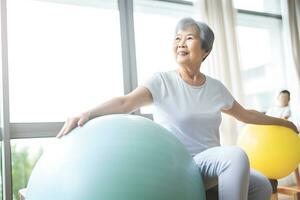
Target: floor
284	197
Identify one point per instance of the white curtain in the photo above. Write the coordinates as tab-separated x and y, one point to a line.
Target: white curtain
293	20
223	62
291	41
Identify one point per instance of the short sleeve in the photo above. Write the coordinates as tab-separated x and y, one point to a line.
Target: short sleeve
154	85
227	98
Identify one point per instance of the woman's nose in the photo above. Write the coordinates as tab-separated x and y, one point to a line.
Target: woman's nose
182	44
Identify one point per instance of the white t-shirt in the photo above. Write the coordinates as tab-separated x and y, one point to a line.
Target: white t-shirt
191	113
279	111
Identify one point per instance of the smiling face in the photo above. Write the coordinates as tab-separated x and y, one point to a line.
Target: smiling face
187	47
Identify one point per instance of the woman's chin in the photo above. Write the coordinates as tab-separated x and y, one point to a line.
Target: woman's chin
182	61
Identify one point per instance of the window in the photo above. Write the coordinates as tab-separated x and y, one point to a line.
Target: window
265	6
261	58
155	23
25	153
63	58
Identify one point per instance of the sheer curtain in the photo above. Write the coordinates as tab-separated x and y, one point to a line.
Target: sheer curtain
293	20
291	41
291	37
223	63
291	31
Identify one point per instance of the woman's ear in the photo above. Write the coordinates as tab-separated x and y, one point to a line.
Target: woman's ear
205	55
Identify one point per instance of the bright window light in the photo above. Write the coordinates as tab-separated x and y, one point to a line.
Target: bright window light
261	58
63	58
268	6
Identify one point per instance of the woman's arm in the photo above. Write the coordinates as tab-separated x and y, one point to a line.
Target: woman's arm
255	117
139	97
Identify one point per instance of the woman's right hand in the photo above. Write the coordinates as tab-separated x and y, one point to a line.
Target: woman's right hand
72	123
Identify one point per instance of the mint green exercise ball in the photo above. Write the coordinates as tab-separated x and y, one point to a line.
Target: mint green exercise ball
116	157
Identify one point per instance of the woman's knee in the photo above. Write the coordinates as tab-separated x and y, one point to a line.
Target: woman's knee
240	157
226	158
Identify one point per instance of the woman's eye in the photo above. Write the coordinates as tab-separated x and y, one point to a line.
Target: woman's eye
190	38
177	38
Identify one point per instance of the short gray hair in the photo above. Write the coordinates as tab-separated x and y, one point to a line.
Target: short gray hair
205	33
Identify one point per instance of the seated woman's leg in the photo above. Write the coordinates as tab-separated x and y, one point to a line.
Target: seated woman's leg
229	168
259	187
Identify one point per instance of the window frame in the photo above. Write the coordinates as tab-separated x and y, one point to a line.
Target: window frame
4	109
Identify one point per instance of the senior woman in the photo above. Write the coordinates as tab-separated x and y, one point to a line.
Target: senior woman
189	104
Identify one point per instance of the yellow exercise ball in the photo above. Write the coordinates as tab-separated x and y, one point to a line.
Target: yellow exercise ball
272	150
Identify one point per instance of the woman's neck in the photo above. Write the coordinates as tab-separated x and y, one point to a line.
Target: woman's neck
191	76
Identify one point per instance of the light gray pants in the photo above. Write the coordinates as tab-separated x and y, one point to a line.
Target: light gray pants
228	167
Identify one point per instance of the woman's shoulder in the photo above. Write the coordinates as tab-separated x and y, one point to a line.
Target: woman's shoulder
165	74
168	73
213	81
162	77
